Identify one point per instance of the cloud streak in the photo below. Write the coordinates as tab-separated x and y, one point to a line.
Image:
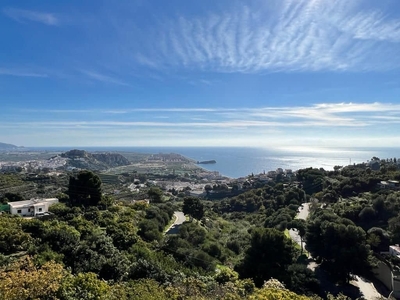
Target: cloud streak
335	124
103	78
285	35
329	115
22	15
21	73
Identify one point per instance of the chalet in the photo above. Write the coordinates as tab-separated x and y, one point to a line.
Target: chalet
394	250
32	207
389	184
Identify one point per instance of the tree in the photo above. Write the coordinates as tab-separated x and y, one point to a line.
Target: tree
155	194
192	206
273	289
12	236
208	188
106	202
301	226
85	189
328	239
23	280
11	197
269	255
85	286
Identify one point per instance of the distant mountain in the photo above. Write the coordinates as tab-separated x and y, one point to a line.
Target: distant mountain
4	146
94	161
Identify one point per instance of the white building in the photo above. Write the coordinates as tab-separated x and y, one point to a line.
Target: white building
32	207
389	184
394	250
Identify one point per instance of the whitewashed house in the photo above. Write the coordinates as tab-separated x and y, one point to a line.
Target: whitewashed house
394	250
32	207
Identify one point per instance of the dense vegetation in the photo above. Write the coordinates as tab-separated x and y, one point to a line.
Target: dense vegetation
93	247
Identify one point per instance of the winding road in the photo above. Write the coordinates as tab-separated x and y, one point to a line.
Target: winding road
366	288
179	220
303	214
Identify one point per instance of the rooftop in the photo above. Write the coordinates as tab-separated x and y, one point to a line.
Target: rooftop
30	202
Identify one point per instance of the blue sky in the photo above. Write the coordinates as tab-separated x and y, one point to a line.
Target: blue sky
267	73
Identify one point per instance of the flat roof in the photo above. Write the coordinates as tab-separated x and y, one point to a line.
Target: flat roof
395	247
31	202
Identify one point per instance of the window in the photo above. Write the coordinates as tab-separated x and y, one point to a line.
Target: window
29	210
40	209
19	211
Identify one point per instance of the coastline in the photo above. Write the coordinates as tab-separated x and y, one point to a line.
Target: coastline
234	162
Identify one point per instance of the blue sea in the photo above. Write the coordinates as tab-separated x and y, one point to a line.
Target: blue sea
237	162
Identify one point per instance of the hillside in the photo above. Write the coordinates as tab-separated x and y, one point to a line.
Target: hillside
4	146
94	161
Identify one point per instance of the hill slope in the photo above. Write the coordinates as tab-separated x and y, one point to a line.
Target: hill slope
94	161
4	146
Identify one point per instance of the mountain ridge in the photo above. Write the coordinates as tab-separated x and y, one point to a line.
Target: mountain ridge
8	146
100	161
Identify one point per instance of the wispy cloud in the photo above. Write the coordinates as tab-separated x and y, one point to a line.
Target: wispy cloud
103	78
284	35
345	124
22	15
332	115
20	73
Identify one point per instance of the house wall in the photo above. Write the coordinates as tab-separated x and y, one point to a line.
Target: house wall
25	211
391	281
393	251
384	274
33	208
41	208
396	287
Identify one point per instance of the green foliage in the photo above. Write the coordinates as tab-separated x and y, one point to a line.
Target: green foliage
97	254
63	212
12	237
328	238
123	234
155	194
192	206
312	179
302	280
84	189
84	286
280	219
61	237
148	289
274	290
149	230
11	197
22	280
193	233
270	254
103	251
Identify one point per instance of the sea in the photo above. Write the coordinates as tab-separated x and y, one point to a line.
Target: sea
238	162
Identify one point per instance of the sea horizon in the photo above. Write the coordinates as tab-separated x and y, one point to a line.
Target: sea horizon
238	162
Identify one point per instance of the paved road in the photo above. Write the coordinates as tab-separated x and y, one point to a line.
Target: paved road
179	219
367	288
303	214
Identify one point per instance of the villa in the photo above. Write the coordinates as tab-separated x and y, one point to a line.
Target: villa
32	207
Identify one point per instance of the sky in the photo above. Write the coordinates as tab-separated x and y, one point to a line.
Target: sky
259	73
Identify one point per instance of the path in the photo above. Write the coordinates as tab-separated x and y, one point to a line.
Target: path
366	288
303	214
179	219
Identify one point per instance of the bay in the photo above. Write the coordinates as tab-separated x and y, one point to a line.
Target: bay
237	162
